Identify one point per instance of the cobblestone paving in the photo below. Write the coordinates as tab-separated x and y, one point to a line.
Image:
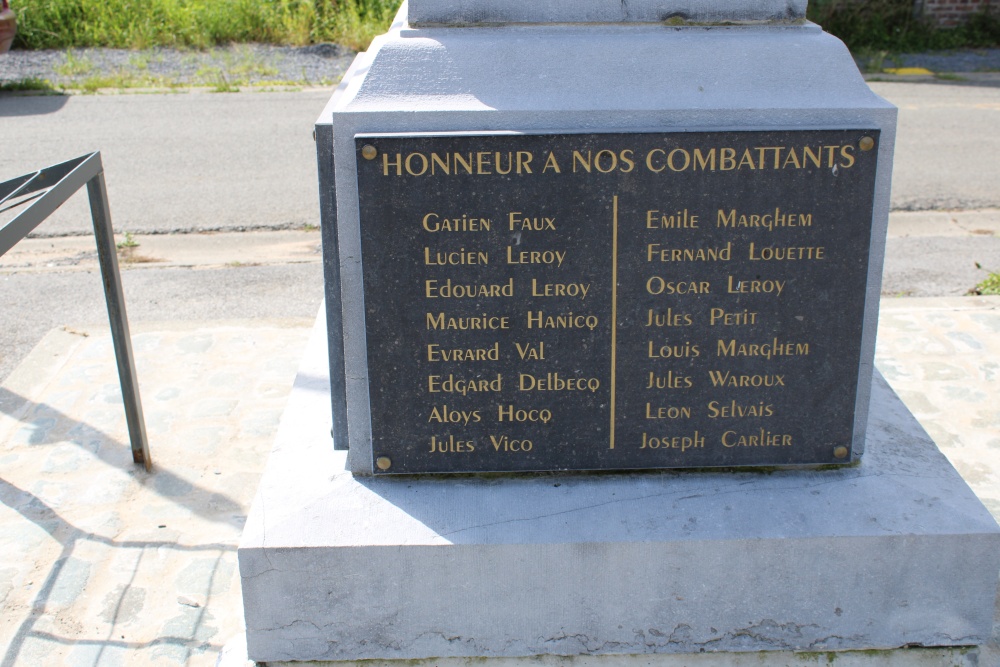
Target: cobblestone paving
942	356
104	564
100	562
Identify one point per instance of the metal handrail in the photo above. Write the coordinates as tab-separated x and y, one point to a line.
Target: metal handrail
46	190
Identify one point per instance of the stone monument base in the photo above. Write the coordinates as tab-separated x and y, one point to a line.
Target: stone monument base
893	552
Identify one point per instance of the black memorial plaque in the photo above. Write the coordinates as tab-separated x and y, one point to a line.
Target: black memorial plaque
614	301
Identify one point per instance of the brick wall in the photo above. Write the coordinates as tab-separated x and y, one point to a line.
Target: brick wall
949	13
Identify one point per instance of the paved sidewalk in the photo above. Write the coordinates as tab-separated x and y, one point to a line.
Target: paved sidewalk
104	564
100	562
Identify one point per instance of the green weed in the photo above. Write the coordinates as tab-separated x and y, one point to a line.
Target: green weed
47	24
74	65
989	286
128	242
892	26
30	84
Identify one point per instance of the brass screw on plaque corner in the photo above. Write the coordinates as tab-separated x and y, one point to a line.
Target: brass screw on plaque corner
383	462
840	452
369	152
866	143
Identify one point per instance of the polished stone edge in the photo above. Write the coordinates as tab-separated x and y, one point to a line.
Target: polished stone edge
896	551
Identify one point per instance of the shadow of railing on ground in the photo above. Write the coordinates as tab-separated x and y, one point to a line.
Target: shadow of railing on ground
209	505
69	536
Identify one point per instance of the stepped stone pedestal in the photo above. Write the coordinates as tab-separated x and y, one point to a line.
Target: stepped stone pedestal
894	552
665	568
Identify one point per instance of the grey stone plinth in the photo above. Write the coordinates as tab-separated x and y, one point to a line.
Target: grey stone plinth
579	78
894	551
465	12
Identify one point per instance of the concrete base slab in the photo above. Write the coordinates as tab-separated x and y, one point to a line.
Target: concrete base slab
895	551
235	655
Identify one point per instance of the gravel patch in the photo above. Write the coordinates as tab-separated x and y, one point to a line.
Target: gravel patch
241	64
319	64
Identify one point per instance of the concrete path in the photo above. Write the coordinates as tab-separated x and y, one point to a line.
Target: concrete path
104	564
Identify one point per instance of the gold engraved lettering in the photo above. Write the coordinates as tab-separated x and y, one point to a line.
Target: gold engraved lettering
727	159
786	253
417	167
734	410
669	381
775	287
678	159
397	163
657	285
446	415
686	350
656	252
524	162
551	163
775	348
727	379
513	413
845	152
455	258
668	319
549	257
527	351
451	385
575	290
483	162
484	322
604	161
433	222
681	442
536	224
679	220
809	156
505	444
756	158
759	438
768	221
720	316
667	412
451	445
539	320
556	382
435	289
437	353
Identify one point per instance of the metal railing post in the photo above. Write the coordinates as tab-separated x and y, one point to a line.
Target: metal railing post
46	190
114	296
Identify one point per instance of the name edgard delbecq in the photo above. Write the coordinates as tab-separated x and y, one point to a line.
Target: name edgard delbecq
604	161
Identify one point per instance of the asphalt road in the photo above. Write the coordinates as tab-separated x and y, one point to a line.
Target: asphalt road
175	162
205	161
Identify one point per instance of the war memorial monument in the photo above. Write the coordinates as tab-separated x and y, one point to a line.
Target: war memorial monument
602	289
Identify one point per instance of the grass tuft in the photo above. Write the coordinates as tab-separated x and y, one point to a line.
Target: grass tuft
28	85
892	26
61	24
990	286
